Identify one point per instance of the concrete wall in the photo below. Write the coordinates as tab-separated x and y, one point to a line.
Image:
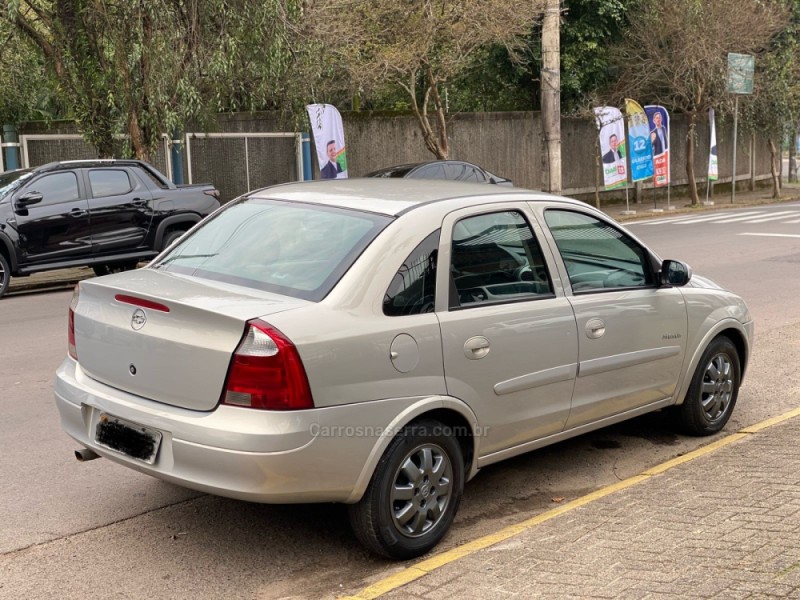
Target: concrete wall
508	144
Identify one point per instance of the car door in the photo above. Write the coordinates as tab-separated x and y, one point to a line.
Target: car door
508	331
632	333
120	208
57	227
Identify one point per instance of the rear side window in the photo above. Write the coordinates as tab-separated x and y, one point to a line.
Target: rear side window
290	248
109	182
413	288
495	258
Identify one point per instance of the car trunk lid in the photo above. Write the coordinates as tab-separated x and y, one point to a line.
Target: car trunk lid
164	336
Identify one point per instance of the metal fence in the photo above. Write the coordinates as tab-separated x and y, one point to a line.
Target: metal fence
40	149
239	162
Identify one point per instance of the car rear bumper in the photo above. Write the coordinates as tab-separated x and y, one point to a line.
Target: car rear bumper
315	455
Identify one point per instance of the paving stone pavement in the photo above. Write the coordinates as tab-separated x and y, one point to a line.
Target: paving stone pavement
724	526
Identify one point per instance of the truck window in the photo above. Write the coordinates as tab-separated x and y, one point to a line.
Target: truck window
109	182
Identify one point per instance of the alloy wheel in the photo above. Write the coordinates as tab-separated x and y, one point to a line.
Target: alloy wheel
421	491
717	387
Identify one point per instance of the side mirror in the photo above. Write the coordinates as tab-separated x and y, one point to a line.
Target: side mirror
675	273
27	199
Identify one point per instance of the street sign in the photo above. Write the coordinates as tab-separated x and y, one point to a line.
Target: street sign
740	73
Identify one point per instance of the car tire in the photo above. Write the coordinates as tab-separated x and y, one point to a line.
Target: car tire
170	237
414	493
109	268
713	391
5	275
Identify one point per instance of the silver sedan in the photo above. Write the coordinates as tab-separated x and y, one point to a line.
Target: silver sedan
377	342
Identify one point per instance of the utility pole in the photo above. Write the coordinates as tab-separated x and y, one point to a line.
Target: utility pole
551	93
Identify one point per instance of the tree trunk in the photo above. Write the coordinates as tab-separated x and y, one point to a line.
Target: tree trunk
137	137
432	141
793	157
776	184
690	160
551	94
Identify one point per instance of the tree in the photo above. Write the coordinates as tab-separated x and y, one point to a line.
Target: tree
27	93
775	103
143	67
675	54
417	45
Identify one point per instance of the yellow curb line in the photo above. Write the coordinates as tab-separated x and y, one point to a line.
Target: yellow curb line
409	574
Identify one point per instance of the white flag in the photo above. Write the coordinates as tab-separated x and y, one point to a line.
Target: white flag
326	124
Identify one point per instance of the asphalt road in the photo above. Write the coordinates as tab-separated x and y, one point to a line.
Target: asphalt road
97	530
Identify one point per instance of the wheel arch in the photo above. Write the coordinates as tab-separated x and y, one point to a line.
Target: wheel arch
735	332
449	411
183	222
7	249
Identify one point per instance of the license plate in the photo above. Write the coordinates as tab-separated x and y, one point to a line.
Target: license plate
131	439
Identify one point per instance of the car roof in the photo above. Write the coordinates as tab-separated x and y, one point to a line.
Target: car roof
416	165
393	197
88	162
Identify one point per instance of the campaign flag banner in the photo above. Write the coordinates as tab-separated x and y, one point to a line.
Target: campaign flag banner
612	146
713	163
658	119
639	141
326	125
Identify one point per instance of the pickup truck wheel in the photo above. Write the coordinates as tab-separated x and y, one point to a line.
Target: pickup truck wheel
170	237
5	275
108	269
414	493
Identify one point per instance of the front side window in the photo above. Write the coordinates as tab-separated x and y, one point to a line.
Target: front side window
56	188
413	288
109	182
290	248
495	258
597	256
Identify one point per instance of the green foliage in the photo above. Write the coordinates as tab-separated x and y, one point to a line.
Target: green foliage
589	29
775	102
145	67
27	93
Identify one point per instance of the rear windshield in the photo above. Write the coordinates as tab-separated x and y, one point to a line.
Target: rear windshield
294	249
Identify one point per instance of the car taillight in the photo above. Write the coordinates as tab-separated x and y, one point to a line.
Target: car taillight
71	348
266	372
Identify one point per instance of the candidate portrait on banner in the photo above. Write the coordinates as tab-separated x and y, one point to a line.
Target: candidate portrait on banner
658	120
658	134
326	125
611	132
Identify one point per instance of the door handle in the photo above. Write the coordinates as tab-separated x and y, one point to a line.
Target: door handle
595	328
476	347
77	212
139	202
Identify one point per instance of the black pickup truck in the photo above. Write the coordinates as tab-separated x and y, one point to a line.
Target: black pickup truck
107	214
